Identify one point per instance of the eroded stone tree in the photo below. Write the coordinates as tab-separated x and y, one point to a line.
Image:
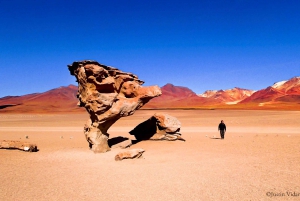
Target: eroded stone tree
107	94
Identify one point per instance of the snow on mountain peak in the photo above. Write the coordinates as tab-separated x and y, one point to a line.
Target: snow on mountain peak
208	93
278	84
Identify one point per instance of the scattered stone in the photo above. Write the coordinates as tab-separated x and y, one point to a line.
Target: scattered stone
129	154
107	94
23	146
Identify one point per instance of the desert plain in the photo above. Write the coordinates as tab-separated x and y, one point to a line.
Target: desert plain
258	160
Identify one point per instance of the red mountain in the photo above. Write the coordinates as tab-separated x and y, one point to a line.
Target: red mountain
284	91
61	99
182	97
177	91
176	97
229	96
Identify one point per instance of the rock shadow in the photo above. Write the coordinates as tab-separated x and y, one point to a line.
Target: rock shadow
8	105
116	140
145	130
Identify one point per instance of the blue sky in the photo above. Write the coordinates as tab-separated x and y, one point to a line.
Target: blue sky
197	44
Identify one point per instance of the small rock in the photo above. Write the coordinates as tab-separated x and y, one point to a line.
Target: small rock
129	154
12	144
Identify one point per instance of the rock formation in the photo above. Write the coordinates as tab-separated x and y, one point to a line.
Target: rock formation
107	94
23	146
160	126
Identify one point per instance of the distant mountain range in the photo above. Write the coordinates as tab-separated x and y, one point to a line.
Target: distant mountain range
284	91
281	95
229	96
62	99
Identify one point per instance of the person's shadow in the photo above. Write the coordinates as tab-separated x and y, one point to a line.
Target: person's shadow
215	138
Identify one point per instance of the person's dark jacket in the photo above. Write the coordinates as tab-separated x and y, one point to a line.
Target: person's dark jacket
222	126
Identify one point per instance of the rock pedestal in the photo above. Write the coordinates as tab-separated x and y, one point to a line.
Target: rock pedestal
107	94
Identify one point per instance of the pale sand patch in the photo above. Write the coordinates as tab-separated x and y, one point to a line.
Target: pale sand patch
260	154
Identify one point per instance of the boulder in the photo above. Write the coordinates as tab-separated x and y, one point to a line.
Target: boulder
160	126
167	122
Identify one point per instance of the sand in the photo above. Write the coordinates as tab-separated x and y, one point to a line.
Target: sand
258	160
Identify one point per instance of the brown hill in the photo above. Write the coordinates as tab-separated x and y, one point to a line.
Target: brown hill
281	95
177	91
284	91
62	99
289	87
176	97
263	95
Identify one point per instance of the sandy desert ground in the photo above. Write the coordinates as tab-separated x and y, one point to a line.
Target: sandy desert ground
258	160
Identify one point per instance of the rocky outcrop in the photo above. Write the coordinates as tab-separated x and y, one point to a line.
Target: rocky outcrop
160	126
23	146
107	94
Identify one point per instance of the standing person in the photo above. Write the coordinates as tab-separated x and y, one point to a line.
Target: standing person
222	129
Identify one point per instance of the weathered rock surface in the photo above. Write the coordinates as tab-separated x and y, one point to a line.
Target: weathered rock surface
107	94
23	146
160	126
129	154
